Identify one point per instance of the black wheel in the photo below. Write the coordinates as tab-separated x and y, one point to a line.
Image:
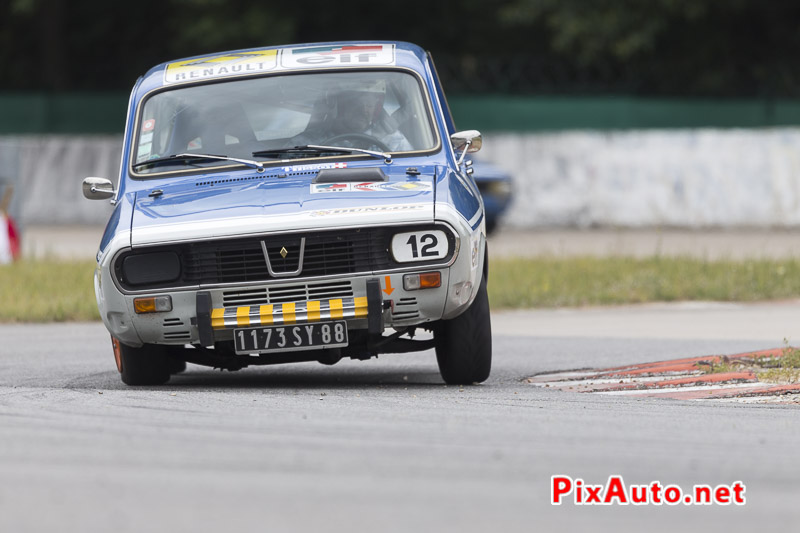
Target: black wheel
357	140
148	365
464	344
176	366
491	225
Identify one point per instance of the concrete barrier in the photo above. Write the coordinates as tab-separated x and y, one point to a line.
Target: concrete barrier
650	178
48	175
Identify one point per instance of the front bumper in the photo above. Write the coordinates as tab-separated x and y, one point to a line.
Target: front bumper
352	309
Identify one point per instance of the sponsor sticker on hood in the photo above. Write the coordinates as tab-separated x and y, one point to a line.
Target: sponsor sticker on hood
372	187
368	209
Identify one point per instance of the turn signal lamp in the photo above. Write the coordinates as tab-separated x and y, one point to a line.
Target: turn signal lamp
427	280
155	304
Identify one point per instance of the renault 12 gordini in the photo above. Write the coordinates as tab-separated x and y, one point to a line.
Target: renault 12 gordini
287	204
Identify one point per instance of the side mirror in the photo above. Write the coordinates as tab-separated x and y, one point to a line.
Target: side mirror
468	142
98	189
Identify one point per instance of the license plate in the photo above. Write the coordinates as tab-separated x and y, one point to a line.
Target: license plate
288	338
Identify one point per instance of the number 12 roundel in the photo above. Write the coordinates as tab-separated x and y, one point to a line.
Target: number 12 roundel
419	246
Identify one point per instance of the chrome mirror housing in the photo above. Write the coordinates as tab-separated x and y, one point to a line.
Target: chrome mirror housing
467	141
98	189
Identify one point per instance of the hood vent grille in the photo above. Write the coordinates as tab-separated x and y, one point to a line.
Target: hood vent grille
259	177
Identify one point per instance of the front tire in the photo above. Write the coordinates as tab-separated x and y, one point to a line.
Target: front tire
491	225
464	344
148	365
175	359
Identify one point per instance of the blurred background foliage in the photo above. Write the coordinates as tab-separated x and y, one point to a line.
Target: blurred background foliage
654	48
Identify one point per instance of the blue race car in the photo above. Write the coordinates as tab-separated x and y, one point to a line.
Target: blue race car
297	203
495	186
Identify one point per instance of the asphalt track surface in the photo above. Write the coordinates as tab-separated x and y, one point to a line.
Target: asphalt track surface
383	445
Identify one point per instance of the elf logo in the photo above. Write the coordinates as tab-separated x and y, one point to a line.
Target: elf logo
317	188
355	55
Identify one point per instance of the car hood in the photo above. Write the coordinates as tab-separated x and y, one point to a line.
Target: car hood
235	205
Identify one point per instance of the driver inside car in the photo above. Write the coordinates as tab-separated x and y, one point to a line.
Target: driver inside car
358	114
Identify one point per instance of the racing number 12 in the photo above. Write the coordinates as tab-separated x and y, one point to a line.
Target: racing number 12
428	238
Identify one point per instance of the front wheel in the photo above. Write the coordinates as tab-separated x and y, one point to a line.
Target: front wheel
464	344
148	365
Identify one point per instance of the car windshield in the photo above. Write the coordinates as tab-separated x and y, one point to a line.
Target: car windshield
265	118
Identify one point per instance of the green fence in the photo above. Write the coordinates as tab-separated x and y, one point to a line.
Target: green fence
62	113
26	113
506	113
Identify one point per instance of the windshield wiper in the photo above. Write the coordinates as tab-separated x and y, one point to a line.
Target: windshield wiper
175	158
317	149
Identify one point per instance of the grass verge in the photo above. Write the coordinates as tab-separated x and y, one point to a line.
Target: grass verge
781	370
51	290
47	291
557	282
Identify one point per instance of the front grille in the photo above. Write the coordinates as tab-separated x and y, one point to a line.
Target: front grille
242	260
284	257
324	254
288	293
236	262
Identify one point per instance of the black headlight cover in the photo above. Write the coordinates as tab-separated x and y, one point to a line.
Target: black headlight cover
151	268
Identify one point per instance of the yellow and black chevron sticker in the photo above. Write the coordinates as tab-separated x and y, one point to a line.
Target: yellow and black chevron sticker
288	313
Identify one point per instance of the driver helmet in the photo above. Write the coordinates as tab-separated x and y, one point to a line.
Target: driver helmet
355	91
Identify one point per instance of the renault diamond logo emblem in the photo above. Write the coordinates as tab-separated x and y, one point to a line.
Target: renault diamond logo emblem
283	270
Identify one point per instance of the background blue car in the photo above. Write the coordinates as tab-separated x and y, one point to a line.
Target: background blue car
494	184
